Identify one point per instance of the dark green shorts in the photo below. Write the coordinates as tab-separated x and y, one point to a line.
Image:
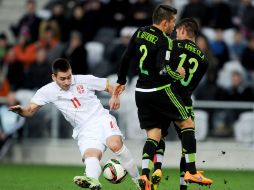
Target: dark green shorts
156	109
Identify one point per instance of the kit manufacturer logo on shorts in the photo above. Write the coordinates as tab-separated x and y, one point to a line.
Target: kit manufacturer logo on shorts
80	89
112	125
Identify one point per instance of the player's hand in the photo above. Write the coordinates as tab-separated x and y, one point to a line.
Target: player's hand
114	102
181	71
16	109
118	89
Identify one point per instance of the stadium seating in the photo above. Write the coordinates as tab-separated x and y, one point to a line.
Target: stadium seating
201	125
95	52
228	34
105	35
224	75
244	128
24	96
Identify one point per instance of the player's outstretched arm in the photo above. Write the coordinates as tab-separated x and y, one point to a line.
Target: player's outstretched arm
115	90
27	111
118	89
114	102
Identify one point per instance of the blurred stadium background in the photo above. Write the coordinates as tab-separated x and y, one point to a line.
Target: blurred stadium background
93	34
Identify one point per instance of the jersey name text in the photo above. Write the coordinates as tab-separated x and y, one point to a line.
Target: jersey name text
192	49
148	37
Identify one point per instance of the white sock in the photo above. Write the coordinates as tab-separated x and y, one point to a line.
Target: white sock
125	158
158	158
93	167
182	182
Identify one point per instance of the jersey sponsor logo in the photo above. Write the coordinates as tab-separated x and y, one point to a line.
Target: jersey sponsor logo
80	89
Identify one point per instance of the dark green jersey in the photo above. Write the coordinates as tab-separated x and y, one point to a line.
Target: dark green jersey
187	54
149	49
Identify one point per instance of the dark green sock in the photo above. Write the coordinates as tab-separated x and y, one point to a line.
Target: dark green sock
183	164
183	185
189	149
158	157
148	154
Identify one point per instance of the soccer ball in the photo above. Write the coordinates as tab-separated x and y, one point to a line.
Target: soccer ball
113	171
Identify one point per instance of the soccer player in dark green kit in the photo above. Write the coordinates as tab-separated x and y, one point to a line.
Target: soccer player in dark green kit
185	53
149	49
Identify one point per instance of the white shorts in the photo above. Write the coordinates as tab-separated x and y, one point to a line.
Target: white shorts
95	133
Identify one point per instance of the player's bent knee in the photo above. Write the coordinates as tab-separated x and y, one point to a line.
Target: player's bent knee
114	143
92	152
154	134
186	123
115	146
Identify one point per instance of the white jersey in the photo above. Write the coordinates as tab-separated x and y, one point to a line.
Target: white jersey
79	104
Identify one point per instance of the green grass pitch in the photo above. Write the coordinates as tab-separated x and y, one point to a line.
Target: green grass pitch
34	177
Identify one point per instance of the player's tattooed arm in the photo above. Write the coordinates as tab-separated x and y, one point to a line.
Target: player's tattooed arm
27	111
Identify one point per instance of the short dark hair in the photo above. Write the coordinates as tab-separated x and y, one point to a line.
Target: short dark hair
60	65
163	12
190	25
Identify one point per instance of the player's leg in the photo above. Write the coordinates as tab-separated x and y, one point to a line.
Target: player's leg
183	184
188	143
114	141
158	159
189	150
178	113
159	155
175	110
91	149
149	150
124	156
149	120
183	120
93	170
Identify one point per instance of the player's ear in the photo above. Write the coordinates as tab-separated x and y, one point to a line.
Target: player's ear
53	77
164	23
182	30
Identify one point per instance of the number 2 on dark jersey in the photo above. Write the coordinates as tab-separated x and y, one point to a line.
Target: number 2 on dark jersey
143	50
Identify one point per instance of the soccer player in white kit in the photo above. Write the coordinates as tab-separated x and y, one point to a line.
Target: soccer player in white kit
94	128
